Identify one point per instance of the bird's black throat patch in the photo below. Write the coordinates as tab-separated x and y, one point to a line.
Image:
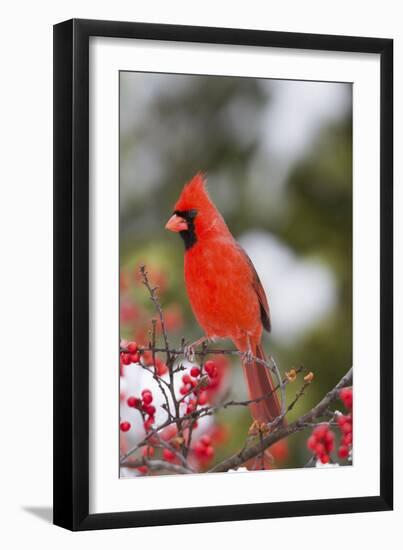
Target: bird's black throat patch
188	236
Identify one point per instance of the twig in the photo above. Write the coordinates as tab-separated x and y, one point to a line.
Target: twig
157	378
185	423
170	358
284	431
276	371
202	412
178	455
261	448
193	422
154	299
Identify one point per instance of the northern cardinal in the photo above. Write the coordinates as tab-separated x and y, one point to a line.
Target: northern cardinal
225	292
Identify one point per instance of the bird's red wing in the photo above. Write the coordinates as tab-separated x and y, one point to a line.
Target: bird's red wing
258	288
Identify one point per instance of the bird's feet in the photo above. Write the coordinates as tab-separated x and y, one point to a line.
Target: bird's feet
189	350
248	356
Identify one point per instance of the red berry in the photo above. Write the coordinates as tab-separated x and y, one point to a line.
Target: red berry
134	402
125	426
329	441
341	419
199	449
132	347
311	443
346	428
343	452
190	408
195	372
186	379
347	439
148	423
147	358
203	398
346	395
208	365
205	440
211	369
320	431
147	397
160	367
320	449
183	390
324	458
168	455
149	409
142	469
209	451
134	358
125	358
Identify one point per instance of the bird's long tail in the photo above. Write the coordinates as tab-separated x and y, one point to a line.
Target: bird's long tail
260	382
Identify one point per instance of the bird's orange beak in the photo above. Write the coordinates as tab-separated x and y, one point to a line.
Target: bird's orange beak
176	224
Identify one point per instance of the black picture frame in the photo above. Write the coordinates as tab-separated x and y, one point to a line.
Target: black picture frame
71	273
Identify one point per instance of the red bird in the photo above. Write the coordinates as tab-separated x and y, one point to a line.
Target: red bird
227	297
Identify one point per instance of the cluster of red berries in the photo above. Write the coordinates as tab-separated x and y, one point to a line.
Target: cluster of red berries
216	370
345	423
148	452
346	395
203	449
130	355
133	354
144	404
321	442
189	382
192	381
195	389
168	455
211	368
150	361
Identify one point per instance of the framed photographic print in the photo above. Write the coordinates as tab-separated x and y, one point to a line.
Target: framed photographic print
223	318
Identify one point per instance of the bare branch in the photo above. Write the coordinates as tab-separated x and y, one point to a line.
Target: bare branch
154	299
205	411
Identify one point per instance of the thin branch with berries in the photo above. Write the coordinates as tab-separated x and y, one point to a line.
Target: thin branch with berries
180	451
319	411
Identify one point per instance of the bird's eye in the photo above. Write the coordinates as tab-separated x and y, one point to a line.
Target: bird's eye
187	214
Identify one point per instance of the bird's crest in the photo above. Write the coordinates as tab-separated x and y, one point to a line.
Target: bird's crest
194	194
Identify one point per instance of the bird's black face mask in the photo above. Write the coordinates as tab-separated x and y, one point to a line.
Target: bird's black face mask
182	222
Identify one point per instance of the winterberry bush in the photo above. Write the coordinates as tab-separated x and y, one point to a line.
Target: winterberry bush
171	398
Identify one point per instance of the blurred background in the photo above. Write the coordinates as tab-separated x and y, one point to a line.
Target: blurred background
278	159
